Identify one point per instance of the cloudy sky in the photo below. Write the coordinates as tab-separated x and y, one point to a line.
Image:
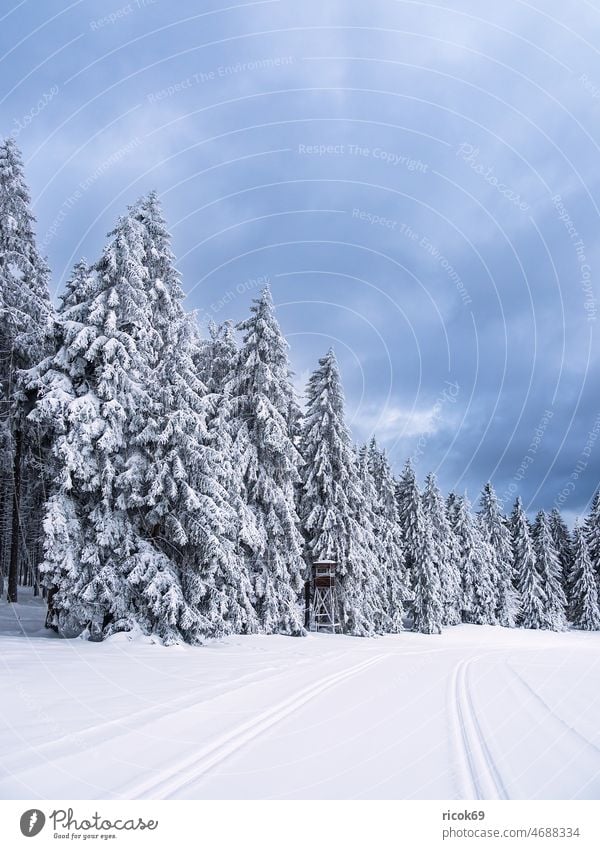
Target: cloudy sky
418	181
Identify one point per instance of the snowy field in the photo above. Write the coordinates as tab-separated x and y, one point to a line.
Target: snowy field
479	712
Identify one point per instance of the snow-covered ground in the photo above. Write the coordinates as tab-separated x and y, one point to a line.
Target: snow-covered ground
477	712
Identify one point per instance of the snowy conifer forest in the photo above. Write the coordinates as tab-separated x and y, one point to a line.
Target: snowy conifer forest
160	481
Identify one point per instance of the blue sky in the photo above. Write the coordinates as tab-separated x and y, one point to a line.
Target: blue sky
419	182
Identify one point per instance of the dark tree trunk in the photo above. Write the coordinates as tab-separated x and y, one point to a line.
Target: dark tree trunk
13	568
5	521
50	617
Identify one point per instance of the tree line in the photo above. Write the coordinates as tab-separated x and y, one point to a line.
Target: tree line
160	481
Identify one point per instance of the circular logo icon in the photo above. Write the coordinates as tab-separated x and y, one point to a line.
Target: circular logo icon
32	822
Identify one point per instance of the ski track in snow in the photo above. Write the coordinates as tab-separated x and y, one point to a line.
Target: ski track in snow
61	747
479	774
185	771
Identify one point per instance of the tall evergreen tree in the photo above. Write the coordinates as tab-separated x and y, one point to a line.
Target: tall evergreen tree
479	598
262	428
25	325
584	605
563	544
407	498
497	534
389	535
55	379
178	479
98	394
427	604
591	529
531	588
446	555
369	516
548	566
161	284
331	500
187	509
158	547
218	362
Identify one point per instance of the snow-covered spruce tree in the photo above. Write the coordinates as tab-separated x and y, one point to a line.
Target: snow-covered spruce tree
194	491
68	409
217	361
563	544
25	326
162	290
262	429
497	534
330	498
407	498
55	380
99	388
445	548
475	563
388	532
187	576
548	566
584	605
186	509
427	605
127	309
167	573
369	517
529	581
591	528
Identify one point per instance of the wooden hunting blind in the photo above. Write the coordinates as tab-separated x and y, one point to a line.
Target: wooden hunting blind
324	602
